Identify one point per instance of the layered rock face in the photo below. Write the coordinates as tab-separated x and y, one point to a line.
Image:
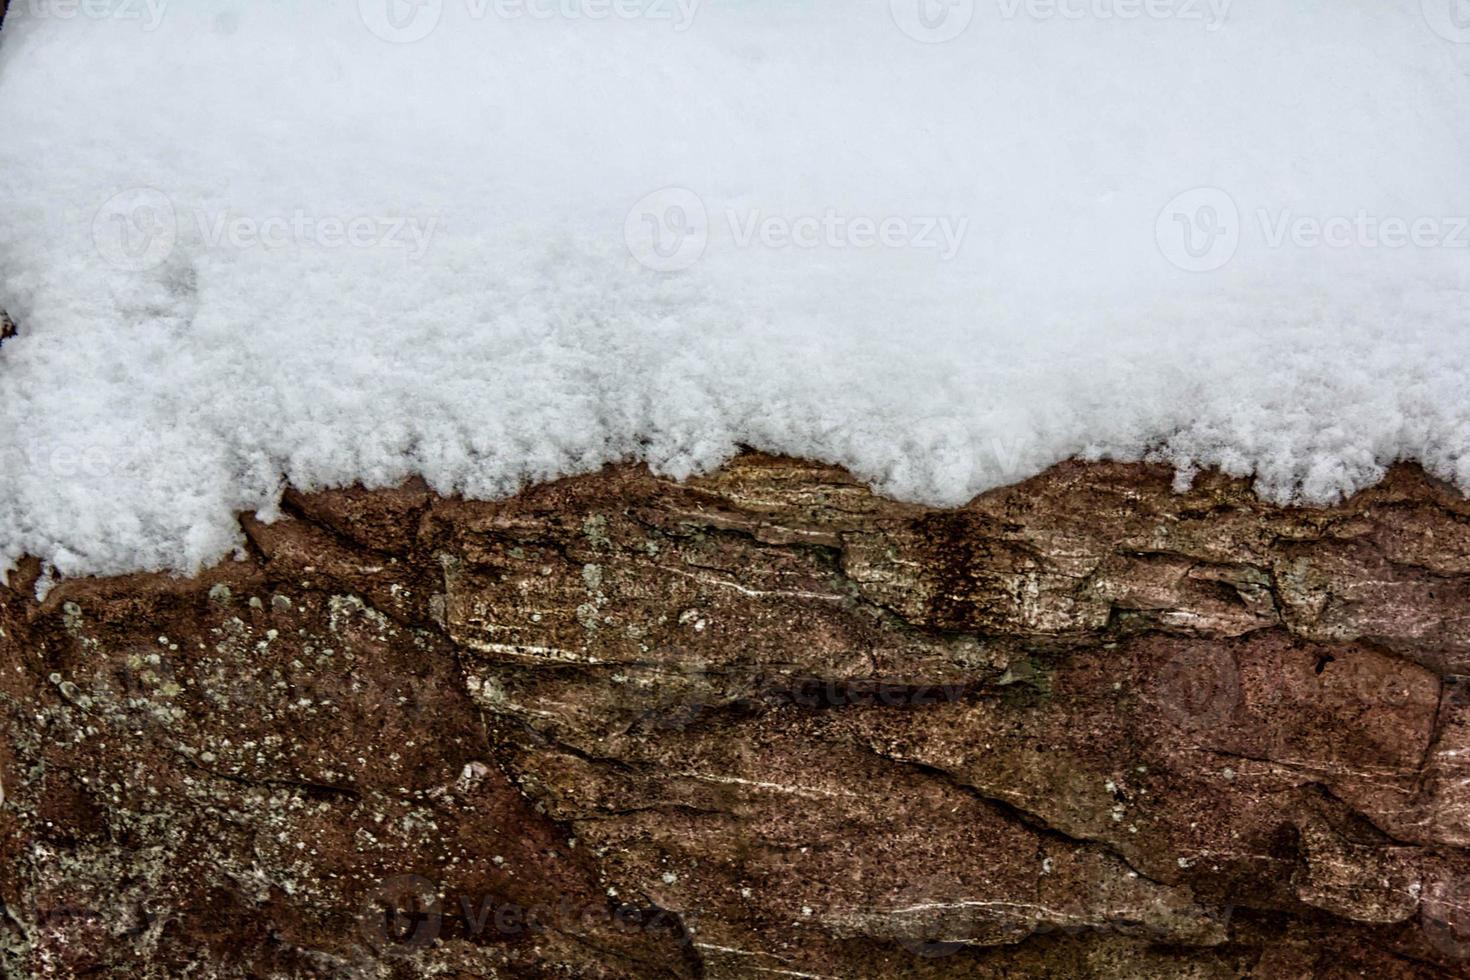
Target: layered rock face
761	724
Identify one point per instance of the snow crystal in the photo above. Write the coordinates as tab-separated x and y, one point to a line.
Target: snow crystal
945	244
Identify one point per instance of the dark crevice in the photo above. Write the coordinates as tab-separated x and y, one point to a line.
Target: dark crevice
293	506
603	815
1310	783
312	790
542	740
1032	821
642	919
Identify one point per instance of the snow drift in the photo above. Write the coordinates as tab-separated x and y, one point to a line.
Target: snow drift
497	241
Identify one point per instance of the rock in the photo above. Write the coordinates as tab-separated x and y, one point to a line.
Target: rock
763	723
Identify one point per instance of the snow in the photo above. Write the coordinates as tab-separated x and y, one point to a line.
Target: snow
501	241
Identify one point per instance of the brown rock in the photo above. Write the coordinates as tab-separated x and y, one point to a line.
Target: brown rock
764	723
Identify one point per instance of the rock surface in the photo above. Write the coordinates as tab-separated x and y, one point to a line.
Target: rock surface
761	724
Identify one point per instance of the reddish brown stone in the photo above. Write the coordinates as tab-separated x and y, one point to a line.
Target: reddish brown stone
763	723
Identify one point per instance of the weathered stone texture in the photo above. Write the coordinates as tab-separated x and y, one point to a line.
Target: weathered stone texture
761	724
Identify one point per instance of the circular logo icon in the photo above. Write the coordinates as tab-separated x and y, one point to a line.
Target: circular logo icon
401	21
1444	911
668	230
692	688
935	919
135	230
1199	688
1450	19
932	21
1199	230
402	916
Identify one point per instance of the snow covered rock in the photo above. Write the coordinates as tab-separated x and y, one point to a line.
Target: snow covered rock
488	244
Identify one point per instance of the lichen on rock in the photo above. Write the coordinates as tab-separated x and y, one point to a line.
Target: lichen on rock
760	723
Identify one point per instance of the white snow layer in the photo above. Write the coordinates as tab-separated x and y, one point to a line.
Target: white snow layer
945	243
